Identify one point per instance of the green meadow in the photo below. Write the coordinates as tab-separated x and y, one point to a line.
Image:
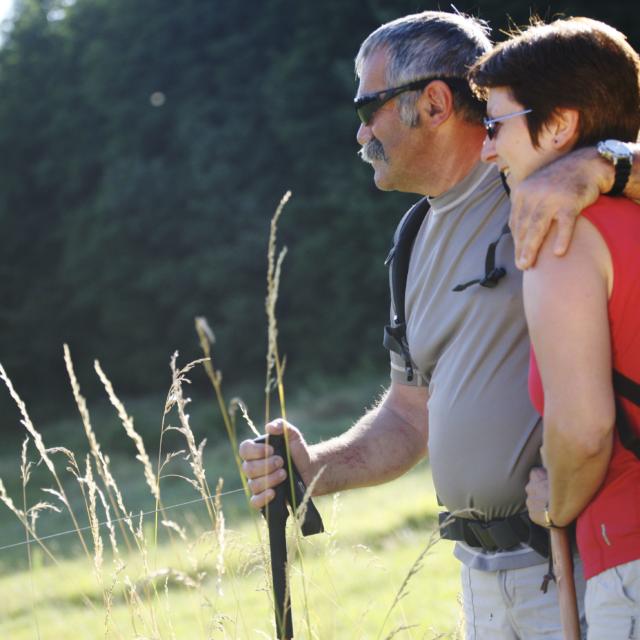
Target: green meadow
200	569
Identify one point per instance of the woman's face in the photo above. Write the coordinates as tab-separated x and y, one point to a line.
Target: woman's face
511	147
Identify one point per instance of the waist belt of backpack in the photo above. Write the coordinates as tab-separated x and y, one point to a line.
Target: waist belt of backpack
496	535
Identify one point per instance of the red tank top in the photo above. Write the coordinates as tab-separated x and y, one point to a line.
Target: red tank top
609	528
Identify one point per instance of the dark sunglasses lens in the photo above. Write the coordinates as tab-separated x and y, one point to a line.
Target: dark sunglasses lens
491	130
365	111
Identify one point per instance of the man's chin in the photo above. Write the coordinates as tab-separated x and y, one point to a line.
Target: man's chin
382	181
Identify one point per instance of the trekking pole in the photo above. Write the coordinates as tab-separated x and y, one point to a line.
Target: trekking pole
290	492
563	571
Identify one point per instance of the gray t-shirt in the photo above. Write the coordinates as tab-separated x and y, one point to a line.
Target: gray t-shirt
472	349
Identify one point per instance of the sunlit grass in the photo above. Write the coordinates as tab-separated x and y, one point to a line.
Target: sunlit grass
353	573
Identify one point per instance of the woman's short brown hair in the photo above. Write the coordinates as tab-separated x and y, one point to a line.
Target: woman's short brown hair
576	63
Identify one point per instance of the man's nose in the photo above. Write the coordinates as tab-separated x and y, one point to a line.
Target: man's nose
364	134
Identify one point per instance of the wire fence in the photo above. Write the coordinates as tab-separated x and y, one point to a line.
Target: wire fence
116	520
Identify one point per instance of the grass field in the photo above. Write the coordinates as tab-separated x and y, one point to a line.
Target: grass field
205	579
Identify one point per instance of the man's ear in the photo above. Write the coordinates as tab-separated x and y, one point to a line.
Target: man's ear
435	104
564	128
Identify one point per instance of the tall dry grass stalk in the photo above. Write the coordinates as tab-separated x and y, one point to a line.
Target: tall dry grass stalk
127	423
220	535
274	269
207	340
195	451
28	518
25	476
94	521
44	455
403	591
274	381
29	515
101	461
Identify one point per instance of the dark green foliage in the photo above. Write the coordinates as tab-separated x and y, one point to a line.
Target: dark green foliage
123	220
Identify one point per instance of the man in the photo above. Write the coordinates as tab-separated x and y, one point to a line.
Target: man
468	398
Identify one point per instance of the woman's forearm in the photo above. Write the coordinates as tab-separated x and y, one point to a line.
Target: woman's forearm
576	469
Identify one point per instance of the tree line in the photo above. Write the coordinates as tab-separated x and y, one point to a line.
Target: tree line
145	146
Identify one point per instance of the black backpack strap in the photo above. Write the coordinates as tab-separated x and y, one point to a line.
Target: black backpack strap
492	274
395	334
629	389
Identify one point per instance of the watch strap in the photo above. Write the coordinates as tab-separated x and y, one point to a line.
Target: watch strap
622	168
620	156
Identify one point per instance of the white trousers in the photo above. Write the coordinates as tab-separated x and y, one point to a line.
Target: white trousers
613	603
509	604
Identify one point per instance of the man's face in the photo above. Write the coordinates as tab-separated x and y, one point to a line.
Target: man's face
387	143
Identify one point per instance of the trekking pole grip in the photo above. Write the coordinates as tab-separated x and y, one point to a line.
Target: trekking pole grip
289	492
276	514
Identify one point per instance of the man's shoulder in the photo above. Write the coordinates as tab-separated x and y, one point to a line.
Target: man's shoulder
418	209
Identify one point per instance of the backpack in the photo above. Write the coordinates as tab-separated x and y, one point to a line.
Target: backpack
395	334
629	389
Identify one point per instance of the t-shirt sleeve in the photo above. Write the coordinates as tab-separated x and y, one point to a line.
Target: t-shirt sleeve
398	372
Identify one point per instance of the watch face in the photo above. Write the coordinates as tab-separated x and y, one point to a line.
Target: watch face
617	148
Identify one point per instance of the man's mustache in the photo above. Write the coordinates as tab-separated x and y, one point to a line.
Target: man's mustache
372	150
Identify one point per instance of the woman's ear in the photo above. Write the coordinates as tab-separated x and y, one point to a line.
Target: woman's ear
563	128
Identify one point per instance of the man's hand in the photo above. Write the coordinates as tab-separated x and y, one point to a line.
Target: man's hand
265	470
557	192
537	495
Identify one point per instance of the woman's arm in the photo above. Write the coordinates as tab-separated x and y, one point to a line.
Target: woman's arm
566	308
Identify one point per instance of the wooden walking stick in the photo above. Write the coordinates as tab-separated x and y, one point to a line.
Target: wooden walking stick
563	571
289	492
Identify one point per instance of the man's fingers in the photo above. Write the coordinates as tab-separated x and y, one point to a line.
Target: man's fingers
566	224
260	500
276	427
262	483
537	474
530	239
249	450
263	469
517	218
261	466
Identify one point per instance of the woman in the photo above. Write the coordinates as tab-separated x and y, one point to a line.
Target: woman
551	89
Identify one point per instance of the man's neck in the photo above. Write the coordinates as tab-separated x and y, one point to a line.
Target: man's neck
457	155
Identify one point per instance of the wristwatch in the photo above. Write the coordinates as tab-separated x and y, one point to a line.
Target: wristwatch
621	156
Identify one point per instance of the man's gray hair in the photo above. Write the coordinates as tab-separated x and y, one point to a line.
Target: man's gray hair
430	43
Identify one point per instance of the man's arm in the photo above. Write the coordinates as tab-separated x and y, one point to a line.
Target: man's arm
559	192
385	443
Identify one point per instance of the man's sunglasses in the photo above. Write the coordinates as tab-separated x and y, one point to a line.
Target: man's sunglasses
367	105
491	124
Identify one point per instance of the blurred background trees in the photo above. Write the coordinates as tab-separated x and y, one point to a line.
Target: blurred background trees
144	148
